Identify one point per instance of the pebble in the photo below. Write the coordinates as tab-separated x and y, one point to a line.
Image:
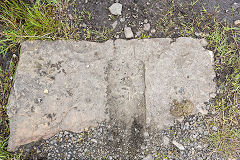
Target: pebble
145	21
214	128
205	133
237	22
94	140
45	91
146	27
70	16
39	100
212	95
166	141
178	145
116	9
128	32
235	5
194	136
153	31
138	33
122	19
114	25
187	125
145	134
83	25
149	157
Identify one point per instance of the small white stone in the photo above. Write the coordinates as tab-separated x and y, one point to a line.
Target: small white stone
212	95
45	91
236	5
94	140
203	42
145	134
128	32
146	27
153	31
178	145
70	16
237	22
114	25
138	33
122	19
149	157
83	25
145	21
116	9
166	141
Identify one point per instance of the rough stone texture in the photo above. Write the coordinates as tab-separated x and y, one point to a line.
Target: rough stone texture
125	90
74	75
184	71
128	32
116	9
66	85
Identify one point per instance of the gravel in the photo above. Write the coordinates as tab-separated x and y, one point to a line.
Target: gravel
109	142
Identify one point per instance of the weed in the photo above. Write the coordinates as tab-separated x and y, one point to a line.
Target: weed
144	36
162	156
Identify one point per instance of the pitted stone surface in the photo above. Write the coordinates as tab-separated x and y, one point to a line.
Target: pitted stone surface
126	88
66	85
184	71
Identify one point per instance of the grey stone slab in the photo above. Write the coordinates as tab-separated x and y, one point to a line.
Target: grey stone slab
67	85
184	71
174	70
73	74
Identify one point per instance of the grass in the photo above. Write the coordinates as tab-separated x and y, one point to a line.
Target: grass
6	81
42	20
224	41
47	20
23	21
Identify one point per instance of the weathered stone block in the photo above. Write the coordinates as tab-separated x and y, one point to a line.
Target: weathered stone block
67	85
